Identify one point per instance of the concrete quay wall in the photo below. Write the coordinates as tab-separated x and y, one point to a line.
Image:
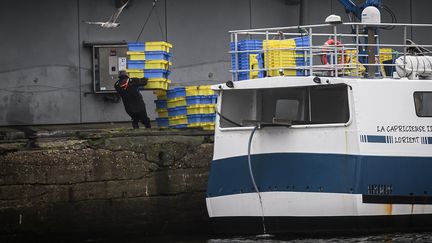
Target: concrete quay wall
147	181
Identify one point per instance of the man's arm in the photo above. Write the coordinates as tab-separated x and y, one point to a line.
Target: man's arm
138	81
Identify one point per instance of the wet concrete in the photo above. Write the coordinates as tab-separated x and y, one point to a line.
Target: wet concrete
103	177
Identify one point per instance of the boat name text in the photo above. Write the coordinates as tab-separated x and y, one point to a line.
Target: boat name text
404	128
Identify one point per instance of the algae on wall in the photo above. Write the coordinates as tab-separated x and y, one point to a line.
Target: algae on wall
147	180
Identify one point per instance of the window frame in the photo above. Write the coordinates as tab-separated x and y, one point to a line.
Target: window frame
298	126
415	104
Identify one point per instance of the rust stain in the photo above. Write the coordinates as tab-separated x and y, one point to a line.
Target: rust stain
388	208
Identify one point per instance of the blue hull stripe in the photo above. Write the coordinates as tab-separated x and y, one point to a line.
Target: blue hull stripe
334	173
376	139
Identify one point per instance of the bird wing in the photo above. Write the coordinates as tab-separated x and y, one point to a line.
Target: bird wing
117	13
92	22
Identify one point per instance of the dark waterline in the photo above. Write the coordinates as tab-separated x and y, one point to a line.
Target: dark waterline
387	238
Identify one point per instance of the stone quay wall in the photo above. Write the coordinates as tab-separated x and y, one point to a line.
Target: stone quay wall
123	180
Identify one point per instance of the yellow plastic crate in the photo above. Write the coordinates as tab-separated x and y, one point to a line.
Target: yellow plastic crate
178	120
355	68
199	90
192	90
385	54
203	125
135	73
285	72
157	64
205	90
161	94
253	65
277	58
208	125
162	113
136	55
201	109
158	46
180	101
159	83
273	49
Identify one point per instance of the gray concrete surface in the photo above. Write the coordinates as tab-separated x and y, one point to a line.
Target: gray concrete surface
46	72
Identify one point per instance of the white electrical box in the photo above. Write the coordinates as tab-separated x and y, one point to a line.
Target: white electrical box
122	63
108	60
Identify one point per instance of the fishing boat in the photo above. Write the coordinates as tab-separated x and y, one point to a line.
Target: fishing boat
344	145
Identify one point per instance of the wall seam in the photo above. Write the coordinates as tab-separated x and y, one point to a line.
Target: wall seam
79	62
166	21
250	14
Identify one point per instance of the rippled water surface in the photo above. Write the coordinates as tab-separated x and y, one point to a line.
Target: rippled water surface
387	238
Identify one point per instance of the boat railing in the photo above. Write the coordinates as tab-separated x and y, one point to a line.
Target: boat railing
326	50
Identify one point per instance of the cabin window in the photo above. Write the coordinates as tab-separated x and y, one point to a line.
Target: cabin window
298	105
423	104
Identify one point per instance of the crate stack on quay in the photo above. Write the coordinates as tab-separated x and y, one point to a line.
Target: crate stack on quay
186	107
150	60
278	57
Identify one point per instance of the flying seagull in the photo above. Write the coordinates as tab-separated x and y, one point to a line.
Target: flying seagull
111	23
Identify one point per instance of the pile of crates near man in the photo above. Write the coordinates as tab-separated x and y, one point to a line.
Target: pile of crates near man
187	107
162	108
277	57
150	60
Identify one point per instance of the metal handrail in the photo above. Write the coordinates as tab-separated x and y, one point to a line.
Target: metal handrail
335	52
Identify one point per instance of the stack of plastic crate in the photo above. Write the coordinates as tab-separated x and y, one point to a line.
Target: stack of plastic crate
200	101
245	61
354	68
176	102
190	106
150	60
302	54
283	57
162	108
386	57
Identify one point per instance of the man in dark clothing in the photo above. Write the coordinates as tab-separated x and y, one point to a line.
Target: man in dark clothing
132	98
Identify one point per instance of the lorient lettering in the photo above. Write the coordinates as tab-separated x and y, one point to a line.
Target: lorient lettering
406	139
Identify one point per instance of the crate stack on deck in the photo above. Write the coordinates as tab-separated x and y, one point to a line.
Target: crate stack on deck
278	57
246	58
150	60
190	106
284	57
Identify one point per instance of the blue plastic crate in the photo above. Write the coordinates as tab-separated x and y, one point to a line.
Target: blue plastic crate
177	111
131	64
161	104
260	57
243	76
176	92
180	126
201	99
157	55
302	41
300	72
135	46
162	122
197	118
243	58
156	73
250	43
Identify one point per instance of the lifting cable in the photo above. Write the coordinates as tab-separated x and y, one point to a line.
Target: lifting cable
147	19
